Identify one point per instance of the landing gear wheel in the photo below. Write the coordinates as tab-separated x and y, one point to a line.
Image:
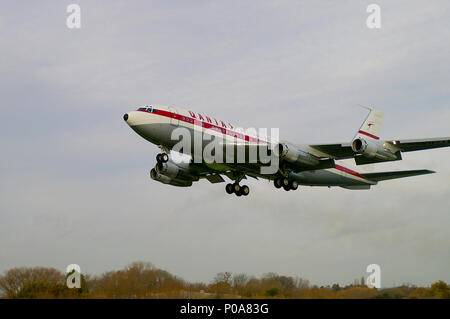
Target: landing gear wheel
294	185
236	188
229	188
162	158
245	190
287	187
277	182
285	182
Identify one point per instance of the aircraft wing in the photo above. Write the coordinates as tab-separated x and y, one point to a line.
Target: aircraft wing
420	144
383	176
214	178
335	151
344	150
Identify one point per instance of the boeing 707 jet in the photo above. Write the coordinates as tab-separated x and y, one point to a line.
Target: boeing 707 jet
297	164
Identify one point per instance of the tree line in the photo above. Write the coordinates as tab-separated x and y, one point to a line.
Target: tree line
143	280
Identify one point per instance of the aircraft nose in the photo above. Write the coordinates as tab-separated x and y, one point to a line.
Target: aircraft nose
136	118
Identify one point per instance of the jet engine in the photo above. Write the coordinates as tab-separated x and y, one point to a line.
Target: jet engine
373	149
292	154
172	170
173	174
167	180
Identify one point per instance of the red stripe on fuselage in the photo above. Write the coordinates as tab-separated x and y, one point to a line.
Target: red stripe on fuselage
207	125
230	132
369	135
348	171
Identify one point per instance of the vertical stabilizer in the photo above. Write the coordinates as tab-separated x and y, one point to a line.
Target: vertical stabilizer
371	127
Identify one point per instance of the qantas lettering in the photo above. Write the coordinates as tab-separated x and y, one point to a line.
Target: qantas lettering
201	122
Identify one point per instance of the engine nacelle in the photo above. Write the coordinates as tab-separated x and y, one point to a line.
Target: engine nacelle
167	180
372	149
292	154
172	170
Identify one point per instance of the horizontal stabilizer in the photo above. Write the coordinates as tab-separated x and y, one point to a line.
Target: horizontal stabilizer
383	176
357	187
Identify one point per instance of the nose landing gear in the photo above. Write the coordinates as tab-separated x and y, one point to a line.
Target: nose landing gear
162	158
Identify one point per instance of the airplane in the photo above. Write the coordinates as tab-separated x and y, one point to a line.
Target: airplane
302	164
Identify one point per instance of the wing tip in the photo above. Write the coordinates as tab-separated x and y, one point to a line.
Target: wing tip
423	171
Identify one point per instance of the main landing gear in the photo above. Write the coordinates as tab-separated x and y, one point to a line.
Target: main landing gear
237	189
162	158
286	183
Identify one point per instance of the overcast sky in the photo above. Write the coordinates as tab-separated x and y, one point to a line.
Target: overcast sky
74	178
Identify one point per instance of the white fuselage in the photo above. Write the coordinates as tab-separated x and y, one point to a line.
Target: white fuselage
156	123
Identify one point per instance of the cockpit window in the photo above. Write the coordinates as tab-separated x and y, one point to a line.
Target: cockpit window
148	109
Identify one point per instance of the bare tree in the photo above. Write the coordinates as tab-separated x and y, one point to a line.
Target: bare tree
302	283
223	277
14	279
239	280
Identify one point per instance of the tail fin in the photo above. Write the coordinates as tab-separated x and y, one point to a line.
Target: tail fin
372	125
383	176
